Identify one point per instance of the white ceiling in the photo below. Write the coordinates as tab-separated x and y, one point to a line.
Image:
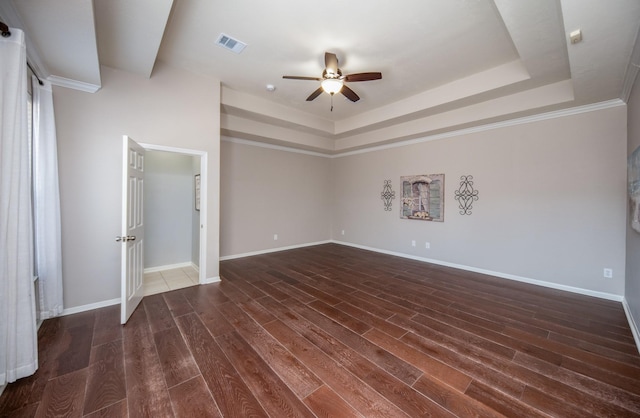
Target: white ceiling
446	64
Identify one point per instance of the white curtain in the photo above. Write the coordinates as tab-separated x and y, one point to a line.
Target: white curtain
18	337
46	202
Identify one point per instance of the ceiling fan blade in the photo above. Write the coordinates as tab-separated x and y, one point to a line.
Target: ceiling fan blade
296	77
315	94
363	77
331	62
349	94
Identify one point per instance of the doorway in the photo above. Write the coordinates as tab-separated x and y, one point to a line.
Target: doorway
174	223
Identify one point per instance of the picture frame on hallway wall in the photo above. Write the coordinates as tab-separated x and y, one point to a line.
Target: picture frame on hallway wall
422	197
197	191
634	189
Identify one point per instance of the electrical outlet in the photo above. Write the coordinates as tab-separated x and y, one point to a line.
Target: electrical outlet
343	232
608	273
413	242
427	245
275	237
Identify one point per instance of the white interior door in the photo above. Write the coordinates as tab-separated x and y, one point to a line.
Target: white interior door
132	227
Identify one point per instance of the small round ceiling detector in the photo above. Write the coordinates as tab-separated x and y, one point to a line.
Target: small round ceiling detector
271	87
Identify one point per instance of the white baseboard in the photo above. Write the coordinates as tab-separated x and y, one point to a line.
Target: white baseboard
211	280
273	250
632	323
586	292
168	267
602	295
111	302
84	308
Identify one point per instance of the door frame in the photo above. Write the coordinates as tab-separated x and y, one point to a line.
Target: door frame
202	273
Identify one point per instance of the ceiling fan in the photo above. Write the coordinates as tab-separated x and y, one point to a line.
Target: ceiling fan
332	80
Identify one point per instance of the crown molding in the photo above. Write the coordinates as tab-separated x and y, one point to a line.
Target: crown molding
481	128
271	146
73	84
491	126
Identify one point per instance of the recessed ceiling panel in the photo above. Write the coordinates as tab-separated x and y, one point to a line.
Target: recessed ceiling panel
417	45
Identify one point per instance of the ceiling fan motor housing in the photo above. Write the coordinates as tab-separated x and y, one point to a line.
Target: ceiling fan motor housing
326	74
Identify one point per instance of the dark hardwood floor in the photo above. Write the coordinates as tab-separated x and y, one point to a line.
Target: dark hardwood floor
333	331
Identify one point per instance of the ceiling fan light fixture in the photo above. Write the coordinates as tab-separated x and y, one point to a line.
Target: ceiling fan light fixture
331	85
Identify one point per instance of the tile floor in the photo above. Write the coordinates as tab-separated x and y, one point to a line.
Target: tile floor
165	280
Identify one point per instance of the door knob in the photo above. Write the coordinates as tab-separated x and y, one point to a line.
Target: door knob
126	238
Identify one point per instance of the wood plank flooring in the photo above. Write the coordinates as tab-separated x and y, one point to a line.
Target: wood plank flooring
334	331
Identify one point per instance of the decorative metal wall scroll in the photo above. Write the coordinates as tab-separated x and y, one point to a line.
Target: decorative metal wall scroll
466	195
387	195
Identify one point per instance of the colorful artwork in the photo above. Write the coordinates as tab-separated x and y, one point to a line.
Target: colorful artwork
634	188
423	197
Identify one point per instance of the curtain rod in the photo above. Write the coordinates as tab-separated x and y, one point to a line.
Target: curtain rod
34	74
4	29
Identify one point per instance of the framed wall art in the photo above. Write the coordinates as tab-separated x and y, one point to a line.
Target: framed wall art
422	197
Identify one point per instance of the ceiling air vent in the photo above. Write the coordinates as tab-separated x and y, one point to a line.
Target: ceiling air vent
229	43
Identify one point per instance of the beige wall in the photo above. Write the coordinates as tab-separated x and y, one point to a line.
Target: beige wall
265	192
551	209
632	290
172	108
552	193
551	202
